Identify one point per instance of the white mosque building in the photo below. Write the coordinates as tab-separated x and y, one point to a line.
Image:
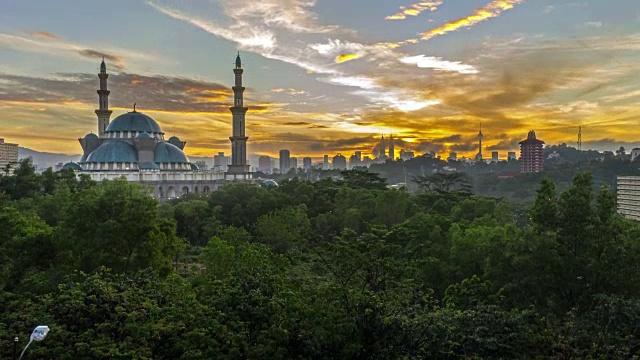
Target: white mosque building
133	146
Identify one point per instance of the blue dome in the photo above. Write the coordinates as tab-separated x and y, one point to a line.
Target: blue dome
269	183
72	165
91	136
134	121
168	153
144	135
149	166
195	167
113	151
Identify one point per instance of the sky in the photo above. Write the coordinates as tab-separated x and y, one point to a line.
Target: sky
327	76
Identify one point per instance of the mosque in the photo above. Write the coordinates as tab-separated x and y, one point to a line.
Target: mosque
133	146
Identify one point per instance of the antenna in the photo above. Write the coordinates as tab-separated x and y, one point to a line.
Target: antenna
580	138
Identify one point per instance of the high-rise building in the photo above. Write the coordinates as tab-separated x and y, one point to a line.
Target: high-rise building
353	161
407	155
325	162
220	162
392	149
494	156
339	162
480	136
366	161
264	164
382	152
531	157
285	161
294	163
628	197
453	156
306	164
239	166
511	155
8	154
202	165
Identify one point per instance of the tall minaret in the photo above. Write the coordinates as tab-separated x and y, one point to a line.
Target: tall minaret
480	136
238	138
103	111
392	149
383	151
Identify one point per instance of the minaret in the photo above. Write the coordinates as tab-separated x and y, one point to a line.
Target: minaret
479	156
103	111
392	149
238	138
383	151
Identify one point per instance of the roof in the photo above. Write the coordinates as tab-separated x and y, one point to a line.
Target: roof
113	151
134	121
169	153
531	139
143	135
91	136
149	166
72	165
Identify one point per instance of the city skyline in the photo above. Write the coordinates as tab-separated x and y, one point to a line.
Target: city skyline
323	81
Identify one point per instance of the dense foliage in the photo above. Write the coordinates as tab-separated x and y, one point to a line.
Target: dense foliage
326	270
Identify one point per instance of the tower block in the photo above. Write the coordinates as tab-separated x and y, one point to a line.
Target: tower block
239	167
103	112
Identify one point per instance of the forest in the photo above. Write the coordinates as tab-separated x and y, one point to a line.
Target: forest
333	269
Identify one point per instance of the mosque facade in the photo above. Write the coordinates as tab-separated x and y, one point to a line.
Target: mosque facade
133	146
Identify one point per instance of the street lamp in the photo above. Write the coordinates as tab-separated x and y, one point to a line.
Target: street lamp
15	347
38	334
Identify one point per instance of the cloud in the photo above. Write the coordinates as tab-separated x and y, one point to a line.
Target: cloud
592	24
491	10
46	44
44	35
346	57
437	63
415	9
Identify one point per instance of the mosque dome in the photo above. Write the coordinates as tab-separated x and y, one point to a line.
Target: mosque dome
91	136
143	135
195	167
149	166
169	153
269	183
113	152
174	140
72	166
134	121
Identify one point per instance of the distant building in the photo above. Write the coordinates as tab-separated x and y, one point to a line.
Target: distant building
202	165
353	161
264	164
628	197
339	162
553	156
285	161
366	161
494	156
453	156
407	155
8	154
382	151
531	157
220	162
392	149
294	163
635	153
511	155
306	164
480	136
325	162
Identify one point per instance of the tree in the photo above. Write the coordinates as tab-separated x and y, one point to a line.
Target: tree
284	229
544	213
363	179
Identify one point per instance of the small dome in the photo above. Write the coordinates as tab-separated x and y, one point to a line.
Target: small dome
238	61
113	151
195	167
149	166
174	140
72	166
143	135
269	183
91	136
169	153
134	121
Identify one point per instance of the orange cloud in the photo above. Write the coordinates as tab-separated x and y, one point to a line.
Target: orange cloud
491	10
346	57
44	35
415	9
